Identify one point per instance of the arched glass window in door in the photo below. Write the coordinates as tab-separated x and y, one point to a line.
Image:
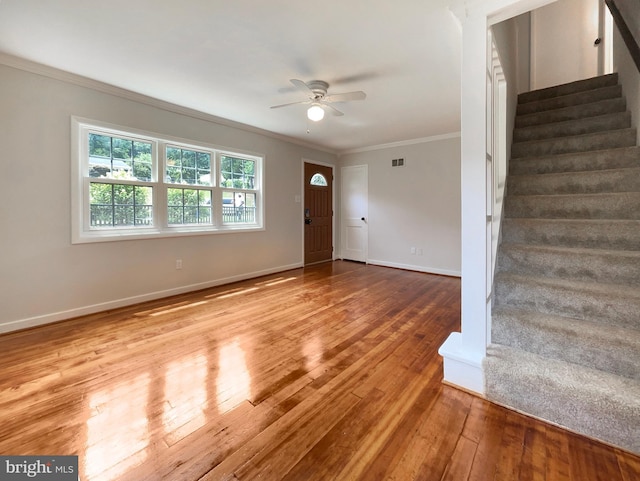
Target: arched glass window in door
318	179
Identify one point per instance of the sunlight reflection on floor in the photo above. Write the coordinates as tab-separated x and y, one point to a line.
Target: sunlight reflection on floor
121	416
185	393
233	384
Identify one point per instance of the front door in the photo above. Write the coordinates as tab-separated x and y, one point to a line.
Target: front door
318	213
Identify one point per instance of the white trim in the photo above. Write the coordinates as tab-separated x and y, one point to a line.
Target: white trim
412	267
401	143
68	77
462	367
495	11
128	301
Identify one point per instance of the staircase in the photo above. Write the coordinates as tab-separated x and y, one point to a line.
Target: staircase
566	306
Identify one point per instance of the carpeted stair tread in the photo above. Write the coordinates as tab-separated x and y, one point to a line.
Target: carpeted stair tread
565	326
614	121
585	233
569	88
585	182
623	157
574	143
613	304
609	92
619	205
594	403
591	109
594	265
591	344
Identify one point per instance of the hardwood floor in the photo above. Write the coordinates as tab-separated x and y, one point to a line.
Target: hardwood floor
328	372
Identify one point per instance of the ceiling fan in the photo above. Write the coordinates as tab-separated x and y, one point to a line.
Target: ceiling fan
318	98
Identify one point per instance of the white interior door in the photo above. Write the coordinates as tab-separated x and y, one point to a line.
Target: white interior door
355	210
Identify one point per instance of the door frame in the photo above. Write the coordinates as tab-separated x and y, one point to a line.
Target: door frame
333	204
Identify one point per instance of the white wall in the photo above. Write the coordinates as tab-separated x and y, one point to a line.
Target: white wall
45	278
562	42
417	205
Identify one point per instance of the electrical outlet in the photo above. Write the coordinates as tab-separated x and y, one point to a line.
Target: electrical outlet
178	264
419	252
413	251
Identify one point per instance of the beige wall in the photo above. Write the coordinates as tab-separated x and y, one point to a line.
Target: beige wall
562	37
45	278
417	205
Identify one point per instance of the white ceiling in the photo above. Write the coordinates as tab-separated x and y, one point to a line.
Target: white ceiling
234	58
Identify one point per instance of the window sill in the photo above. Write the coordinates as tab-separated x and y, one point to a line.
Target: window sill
128	234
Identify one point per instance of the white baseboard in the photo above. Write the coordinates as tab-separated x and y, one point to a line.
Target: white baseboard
104	306
462	368
412	267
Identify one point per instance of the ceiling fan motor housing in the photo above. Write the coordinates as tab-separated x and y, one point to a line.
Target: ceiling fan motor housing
319	88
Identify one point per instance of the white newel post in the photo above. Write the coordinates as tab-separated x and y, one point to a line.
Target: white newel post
464	351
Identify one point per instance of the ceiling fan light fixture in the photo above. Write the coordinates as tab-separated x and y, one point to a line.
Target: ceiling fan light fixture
315	113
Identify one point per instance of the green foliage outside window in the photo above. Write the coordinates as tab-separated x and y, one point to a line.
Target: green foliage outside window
120	205
119	158
237	173
189	206
188	167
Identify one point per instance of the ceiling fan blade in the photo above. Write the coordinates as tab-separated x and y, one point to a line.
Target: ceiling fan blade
300	85
345	97
292	103
332	109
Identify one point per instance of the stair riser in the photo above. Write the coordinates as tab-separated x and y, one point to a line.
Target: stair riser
575	162
578	342
623	235
593	109
570	100
626	180
569	88
614	267
568	301
576	407
580	143
566	319
616	121
588	206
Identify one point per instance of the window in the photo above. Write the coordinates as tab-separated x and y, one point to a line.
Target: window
237	178
131	184
318	179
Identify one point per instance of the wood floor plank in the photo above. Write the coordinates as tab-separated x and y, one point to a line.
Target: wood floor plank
461	461
324	373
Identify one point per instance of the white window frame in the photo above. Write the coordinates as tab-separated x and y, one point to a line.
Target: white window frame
82	232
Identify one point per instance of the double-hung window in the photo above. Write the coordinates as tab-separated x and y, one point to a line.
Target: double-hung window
132	184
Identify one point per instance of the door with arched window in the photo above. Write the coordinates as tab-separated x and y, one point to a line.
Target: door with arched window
318	213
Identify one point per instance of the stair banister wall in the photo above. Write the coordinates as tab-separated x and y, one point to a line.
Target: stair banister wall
510	68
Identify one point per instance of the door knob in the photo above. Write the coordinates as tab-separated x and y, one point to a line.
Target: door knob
307	221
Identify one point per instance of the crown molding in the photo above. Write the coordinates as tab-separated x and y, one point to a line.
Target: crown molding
401	143
81	81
